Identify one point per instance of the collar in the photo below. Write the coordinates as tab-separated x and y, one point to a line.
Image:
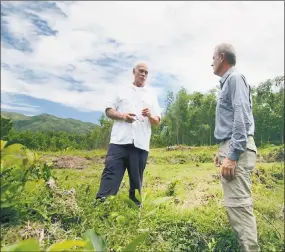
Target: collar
139	88
226	75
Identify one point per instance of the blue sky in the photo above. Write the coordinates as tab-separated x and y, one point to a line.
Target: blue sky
68	58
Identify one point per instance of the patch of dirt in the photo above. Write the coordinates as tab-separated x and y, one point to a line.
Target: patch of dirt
99	159
70	162
198	195
178	147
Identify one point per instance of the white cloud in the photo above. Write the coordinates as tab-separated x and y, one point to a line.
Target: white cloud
174	37
8	101
19	107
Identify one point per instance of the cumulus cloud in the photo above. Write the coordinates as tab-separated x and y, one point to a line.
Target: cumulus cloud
82	51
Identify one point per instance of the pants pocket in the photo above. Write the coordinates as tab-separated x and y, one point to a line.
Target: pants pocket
251	160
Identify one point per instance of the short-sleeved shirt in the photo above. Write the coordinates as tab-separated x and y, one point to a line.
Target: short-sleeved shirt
133	99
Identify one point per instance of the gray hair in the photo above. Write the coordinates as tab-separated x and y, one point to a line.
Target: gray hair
229	52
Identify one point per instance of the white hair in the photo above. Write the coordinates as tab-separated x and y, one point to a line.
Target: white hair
141	63
229	52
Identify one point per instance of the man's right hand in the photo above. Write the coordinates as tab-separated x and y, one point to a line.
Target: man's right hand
115	115
129	117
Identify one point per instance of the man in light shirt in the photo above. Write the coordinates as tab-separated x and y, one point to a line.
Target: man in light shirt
134	109
237	151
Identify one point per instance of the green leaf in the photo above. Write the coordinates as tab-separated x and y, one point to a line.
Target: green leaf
161	200
27	245
138	195
94	241
144	197
136	242
11	160
3	143
6	205
12	188
69	244
130	203
14	148
19	152
2	166
4	188
17	174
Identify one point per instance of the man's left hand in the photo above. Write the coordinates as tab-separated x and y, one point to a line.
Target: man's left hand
228	168
146	112
154	120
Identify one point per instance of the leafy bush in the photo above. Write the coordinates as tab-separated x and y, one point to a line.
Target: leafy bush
18	165
57	214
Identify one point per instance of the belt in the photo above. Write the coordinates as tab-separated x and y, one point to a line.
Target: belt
228	138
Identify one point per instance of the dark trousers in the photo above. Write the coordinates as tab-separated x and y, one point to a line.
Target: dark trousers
119	158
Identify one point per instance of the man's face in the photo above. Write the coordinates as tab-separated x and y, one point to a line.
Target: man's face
217	63
140	74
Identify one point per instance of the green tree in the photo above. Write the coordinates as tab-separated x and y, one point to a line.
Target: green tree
6	126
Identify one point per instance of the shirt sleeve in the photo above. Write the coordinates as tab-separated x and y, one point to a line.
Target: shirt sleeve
239	98
113	101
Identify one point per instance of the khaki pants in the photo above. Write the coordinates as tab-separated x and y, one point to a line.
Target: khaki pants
237	196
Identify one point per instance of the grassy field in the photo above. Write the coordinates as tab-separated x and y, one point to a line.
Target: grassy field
182	204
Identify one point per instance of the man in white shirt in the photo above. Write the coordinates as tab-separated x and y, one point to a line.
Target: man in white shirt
134	109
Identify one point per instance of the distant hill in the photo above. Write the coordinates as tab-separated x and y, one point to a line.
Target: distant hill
47	122
14	116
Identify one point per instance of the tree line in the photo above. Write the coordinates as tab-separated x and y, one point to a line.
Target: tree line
58	140
189	119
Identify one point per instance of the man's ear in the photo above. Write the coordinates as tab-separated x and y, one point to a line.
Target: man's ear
133	71
222	56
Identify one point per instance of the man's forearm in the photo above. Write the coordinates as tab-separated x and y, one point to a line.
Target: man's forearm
113	114
154	120
239	137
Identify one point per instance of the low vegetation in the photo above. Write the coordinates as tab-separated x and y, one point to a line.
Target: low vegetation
182	205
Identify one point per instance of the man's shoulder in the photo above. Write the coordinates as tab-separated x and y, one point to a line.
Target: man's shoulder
237	80
236	75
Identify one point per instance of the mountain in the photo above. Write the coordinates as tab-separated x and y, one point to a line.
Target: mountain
47	122
13	115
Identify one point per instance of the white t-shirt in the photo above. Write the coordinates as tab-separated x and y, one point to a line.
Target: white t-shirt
132	99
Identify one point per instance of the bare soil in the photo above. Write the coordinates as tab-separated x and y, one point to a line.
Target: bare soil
70	162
